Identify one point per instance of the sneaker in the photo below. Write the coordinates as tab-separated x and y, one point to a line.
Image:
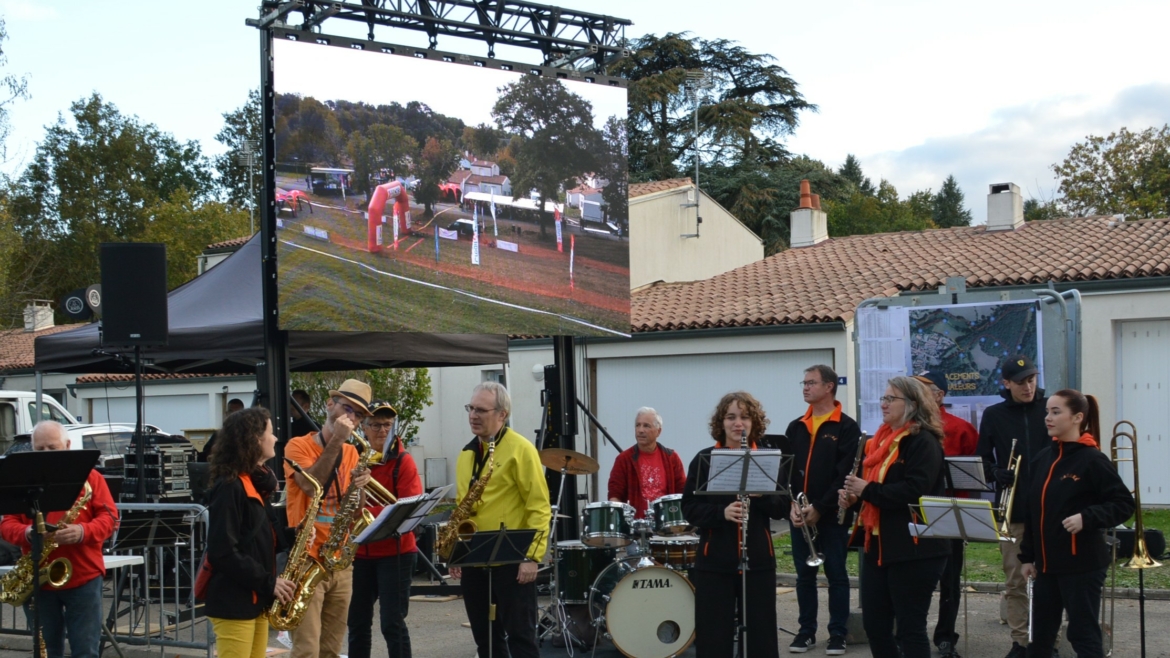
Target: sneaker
285	639
947	650
836	646
1017	651
801	643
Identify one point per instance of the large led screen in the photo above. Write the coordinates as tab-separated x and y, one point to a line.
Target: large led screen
438	193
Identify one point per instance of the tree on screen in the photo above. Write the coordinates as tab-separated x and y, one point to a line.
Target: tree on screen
558	140
614	167
438	159
379	147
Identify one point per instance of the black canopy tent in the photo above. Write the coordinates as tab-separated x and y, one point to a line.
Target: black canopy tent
217	326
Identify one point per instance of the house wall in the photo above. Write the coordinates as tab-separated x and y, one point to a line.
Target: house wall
173	406
658	252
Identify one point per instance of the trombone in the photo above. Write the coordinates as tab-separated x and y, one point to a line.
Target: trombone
1141	558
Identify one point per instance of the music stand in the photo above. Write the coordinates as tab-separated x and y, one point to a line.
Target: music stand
35	483
744	473
966	474
968	519
490	549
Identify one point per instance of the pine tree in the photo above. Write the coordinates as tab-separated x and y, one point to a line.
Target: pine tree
948	210
851	171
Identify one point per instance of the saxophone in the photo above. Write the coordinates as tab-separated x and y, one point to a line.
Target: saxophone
460	524
17	585
352	517
302	568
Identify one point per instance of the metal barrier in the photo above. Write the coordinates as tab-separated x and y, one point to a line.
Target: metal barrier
154	604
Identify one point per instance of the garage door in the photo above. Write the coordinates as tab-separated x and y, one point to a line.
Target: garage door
1144	399
685	390
170	413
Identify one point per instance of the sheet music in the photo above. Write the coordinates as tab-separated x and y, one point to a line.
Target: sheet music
978	524
413	520
726	470
967	473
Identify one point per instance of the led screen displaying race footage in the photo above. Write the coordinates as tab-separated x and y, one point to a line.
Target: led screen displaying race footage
441	194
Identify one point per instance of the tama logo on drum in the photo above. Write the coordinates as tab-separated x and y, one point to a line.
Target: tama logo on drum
650	583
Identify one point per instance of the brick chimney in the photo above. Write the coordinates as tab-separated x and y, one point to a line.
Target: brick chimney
809	224
1005	207
38	315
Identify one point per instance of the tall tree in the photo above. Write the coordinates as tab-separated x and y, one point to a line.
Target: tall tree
12	88
102	177
751	105
242	130
559	140
435	163
380	147
883	212
1035	209
615	165
851	171
408	390
947	206
1125	172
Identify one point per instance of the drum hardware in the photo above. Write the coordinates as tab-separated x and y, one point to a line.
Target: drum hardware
568	461
553	618
815	559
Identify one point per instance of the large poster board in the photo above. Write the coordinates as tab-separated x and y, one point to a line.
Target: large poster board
967	342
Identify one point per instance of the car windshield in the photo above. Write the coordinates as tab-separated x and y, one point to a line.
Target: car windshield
110	443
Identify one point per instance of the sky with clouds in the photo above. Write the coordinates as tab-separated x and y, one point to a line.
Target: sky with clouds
989	91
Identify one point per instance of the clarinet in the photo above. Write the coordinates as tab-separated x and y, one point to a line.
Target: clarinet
856	463
745	506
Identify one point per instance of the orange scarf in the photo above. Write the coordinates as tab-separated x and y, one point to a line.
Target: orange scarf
1085	440
880	452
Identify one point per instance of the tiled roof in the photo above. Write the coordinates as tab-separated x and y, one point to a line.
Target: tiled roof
826	282
16	346
642	189
157	376
234	243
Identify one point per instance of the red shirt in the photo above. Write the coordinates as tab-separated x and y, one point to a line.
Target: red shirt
652	475
98	521
407	483
960	437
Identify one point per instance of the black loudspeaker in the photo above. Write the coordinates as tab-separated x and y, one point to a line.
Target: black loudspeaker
134	293
1155	543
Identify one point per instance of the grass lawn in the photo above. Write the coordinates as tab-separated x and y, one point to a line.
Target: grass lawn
984	563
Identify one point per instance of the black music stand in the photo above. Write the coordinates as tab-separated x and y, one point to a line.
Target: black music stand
35	483
744	473
490	549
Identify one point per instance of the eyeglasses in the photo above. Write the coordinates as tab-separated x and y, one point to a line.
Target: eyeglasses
476	411
809	383
350	410
380	426
889	399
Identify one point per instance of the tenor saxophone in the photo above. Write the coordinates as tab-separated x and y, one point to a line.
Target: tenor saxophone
302	568
460	525
17	585
352	516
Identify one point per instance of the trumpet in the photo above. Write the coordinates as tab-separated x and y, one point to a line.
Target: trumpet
815	559
1008	496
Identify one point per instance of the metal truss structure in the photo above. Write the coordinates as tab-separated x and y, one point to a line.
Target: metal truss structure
567	39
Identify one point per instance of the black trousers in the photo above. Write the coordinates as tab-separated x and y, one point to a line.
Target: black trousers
898	592
717	600
385	579
515	611
1079	594
950	596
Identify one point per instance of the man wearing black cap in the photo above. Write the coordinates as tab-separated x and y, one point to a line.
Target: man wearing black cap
959	439
1020	416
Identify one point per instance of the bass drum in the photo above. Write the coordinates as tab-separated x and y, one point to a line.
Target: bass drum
647	612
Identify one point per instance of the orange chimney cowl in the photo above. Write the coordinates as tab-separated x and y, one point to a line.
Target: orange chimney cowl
805	195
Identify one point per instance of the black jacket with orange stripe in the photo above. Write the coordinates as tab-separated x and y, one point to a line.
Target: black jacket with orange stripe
832	456
918	471
718	537
1068	479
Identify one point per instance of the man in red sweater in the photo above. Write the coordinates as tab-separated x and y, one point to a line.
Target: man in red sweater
76	607
960	438
647	470
382	570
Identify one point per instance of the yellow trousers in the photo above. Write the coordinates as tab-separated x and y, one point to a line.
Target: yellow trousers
241	638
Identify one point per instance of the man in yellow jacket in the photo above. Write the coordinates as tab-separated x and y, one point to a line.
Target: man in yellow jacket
516	496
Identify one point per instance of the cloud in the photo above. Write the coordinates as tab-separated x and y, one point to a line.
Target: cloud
1019	145
24	10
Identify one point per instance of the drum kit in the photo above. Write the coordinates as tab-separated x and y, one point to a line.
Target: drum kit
639	597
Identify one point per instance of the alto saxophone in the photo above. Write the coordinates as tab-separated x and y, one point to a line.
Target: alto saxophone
302	568
352	517
460	524
17	585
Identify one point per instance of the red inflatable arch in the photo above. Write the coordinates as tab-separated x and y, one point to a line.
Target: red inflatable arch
396	191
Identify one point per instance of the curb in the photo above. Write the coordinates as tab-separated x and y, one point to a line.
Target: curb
789	580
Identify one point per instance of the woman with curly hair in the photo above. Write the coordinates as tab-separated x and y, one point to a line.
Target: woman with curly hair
903	462
738	422
240	540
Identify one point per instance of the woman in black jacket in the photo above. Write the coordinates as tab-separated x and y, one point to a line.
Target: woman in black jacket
1076	495
903	462
738	419
240	540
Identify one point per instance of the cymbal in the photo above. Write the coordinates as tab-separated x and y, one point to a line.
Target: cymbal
574	463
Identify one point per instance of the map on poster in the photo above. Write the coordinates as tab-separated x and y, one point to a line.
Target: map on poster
966	342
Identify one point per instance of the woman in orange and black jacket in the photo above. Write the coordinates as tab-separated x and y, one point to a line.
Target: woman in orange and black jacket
903	462
1076	495
738	419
